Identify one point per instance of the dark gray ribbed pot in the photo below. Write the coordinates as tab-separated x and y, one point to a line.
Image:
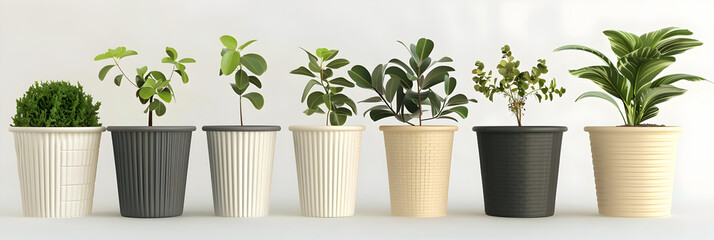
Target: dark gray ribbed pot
151	165
519	169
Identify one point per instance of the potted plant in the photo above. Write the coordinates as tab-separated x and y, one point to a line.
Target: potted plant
151	162
327	157
634	162
57	133
519	164
241	156
418	157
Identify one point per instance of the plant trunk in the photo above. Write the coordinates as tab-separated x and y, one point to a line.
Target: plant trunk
240	109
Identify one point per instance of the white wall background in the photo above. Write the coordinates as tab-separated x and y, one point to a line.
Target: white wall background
57	40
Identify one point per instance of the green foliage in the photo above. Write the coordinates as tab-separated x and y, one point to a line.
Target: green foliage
337	105
56	104
409	87
153	87
231	59
633	80
515	85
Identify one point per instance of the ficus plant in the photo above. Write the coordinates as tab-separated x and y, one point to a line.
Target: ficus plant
153	87
321	66
633	77
515	85
232	59
410	87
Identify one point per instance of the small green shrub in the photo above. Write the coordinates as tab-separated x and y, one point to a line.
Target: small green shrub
56	104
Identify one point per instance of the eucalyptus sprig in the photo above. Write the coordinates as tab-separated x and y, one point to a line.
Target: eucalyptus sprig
321	66
515	85
397	95
231	59
632	79
153	87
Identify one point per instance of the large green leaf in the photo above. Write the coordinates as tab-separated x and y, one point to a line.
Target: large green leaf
586	49
458	99
450	85
423	48
241	79
391	90
622	42
255	98
654	96
675	46
337	119
399	74
255	63
172	53
378	78
604	96
402	65
339	99
606	78
655	38
307	89
146	92
255	81
377	114
338	63
237	90
160	109
436	76
434	102
641	71
165	95
360	75
229	62
342	82
302	71
462	111
314	100
229	42
672	78
104	71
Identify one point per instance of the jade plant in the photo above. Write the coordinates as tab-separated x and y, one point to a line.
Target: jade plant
231	59
410	87
633	77
56	104
515	85
338	106
153	87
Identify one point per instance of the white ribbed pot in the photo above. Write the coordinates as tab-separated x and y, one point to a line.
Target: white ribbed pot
327	159
241	160
57	168
634	169
419	164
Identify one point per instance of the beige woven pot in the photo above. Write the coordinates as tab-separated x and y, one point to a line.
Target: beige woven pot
634	169
419	163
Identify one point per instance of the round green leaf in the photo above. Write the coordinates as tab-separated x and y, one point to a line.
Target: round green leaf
161	109
256	99
229	42
338	63
104	71
255	63
242	79
117	80
165	95
230	61
146	92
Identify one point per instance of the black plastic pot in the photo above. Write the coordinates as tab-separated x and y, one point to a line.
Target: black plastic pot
151	165
519	169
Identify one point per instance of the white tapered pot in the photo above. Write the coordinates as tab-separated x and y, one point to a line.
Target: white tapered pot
241	161
327	159
57	168
634	169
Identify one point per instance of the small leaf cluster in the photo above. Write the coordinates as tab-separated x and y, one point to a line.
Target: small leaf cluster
410	87
514	84
231	59
56	104
633	77
153	87
321	65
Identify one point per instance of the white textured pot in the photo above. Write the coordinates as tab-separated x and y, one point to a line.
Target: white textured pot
419	164
57	168
634	169
327	159
241	160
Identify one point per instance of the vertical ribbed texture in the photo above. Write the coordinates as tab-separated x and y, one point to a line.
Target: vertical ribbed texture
519	172
327	165
419	164
241	172
634	171
57	172
151	172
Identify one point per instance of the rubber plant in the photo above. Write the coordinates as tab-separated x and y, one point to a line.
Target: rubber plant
632	79
409	88
515	85
152	87
231	59
321	65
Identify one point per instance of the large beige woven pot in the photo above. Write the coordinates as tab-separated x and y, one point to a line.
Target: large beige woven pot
634	169
327	160
419	164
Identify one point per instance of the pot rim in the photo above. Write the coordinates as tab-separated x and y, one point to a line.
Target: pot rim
57	129
239	128
429	128
151	129
326	128
633	129
519	129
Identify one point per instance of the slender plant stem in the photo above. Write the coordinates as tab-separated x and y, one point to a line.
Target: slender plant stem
240	108
122	72
151	115
419	92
